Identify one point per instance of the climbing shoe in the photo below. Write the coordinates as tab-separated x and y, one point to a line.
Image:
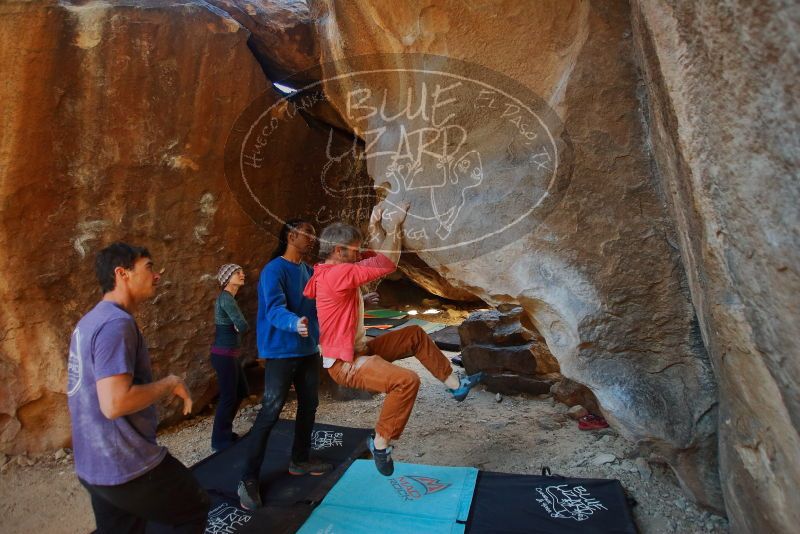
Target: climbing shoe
382	457
311	467
219	448
249	497
467	383
592	422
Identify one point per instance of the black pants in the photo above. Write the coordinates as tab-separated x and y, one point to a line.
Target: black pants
232	389
280	374
167	494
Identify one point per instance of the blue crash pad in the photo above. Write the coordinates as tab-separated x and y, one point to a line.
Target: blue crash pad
416	498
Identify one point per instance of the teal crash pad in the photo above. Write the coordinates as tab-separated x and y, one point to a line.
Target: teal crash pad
416	498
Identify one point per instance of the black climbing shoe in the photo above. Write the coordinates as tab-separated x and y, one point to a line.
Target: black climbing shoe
311	467
249	496
382	457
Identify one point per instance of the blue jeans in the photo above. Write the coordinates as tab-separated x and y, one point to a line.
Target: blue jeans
279	375
232	389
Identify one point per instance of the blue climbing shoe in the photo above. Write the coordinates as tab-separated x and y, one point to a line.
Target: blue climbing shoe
467	383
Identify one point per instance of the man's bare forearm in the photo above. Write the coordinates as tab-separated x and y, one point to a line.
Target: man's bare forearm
392	245
118	398
143	395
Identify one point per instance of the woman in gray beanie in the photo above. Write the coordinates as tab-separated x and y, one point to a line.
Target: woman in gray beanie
230	324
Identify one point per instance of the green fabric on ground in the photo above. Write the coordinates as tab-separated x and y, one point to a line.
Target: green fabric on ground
384	313
427	326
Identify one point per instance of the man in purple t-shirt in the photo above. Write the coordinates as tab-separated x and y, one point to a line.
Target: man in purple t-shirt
111	395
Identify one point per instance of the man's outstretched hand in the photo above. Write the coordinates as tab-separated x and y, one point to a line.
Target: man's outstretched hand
384	229
396	217
371	299
386	219
302	326
180	390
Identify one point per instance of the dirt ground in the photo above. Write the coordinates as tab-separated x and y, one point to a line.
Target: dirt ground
515	435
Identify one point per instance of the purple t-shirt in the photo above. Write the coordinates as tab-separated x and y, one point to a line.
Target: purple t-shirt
108	342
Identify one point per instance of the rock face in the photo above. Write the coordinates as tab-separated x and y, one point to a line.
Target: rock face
513	358
431	280
282	37
107	137
114	127
624	172
723	121
571	393
543	119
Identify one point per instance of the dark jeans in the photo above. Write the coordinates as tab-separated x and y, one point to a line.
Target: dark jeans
232	389
167	494
279	375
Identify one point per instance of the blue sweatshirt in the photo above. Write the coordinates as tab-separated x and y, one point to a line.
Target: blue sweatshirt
280	304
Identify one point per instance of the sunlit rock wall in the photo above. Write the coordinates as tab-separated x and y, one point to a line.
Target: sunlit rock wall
596	263
722	85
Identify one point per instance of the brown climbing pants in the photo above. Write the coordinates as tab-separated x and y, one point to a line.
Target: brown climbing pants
376	373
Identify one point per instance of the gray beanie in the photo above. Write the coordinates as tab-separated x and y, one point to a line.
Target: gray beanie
225	273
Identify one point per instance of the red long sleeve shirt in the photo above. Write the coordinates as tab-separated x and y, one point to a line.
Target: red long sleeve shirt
335	288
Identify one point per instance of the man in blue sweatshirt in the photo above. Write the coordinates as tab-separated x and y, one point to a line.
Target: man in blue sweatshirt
287	335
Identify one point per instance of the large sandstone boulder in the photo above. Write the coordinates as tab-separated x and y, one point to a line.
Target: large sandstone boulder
283	36
114	126
431	280
106	136
722	85
571	393
531	182
116	115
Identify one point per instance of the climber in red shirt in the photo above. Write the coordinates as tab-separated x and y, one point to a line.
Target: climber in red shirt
351	360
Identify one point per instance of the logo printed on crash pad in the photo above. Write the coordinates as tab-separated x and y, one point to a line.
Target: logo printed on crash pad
411	488
325	439
226	519
568	502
